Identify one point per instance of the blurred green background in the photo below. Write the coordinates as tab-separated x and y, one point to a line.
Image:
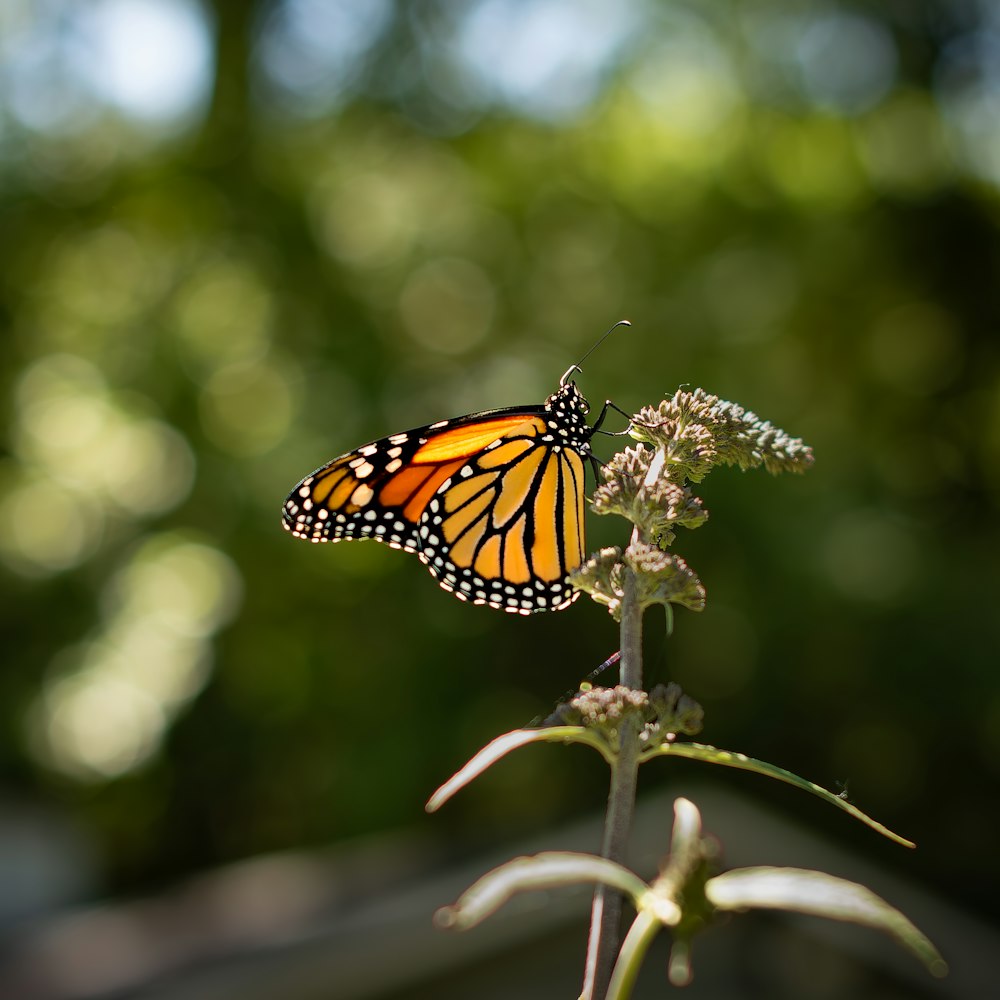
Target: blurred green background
237	239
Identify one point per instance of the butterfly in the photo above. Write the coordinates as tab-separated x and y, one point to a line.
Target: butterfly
491	503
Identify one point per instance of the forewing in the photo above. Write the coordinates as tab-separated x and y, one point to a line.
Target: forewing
382	489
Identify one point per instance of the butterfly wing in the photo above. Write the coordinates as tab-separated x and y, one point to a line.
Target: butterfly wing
381	489
492	503
507	527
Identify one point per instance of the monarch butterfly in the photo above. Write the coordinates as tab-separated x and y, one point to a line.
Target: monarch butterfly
491	503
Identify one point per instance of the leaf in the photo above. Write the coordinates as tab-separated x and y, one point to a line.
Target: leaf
502	746
712	755
548	870
823	896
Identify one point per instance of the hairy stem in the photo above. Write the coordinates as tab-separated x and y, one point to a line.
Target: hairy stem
606	913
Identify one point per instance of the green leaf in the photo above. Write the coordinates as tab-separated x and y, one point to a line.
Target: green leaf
712	755
503	745
823	896
548	870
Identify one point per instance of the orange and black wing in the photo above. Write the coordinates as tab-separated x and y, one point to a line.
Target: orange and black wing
491	503
381	490
506	528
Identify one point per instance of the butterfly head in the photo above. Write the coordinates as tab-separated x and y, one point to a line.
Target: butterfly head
567	400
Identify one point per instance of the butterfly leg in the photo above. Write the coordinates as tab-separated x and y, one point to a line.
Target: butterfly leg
608	405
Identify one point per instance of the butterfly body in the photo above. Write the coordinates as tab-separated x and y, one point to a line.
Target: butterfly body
491	502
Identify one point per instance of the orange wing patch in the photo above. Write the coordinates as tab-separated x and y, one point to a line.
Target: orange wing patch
515	555
462	442
572	473
516	484
546	555
415	505
474	534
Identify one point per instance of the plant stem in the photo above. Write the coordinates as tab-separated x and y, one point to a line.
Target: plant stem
640	936
606	913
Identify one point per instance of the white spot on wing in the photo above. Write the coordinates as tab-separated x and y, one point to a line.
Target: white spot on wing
362	495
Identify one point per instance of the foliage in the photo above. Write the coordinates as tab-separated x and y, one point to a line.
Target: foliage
686	899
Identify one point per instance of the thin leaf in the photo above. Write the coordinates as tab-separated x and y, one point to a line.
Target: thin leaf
547	870
820	895
712	755
502	746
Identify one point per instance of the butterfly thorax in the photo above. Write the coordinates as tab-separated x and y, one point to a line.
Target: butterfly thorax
567	410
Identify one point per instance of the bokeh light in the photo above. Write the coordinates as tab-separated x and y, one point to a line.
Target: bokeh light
847	61
84	457
152	59
110	701
247	408
222	315
312	51
546	58
447	305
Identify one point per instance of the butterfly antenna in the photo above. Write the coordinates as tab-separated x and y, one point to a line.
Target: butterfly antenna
621	322
576	367
585	685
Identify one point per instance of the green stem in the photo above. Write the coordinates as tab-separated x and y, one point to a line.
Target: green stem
637	942
606	913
